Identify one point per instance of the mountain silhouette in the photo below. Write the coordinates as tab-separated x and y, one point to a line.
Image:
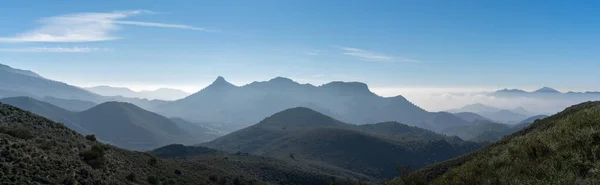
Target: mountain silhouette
546	90
351	102
304	134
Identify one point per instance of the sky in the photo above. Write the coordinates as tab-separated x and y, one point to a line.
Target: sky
396	47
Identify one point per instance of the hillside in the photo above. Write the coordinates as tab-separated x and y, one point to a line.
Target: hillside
304	134
69	104
560	149
469	132
122	124
497	134
129	126
38	151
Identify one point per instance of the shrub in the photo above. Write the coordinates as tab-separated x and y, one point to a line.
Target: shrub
91	137
152	179
95	156
153	161
131	177
213	178
69	181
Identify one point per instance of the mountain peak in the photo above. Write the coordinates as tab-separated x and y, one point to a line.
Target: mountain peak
221	82
547	90
281	79
298	117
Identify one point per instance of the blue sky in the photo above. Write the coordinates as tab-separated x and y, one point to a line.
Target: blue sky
388	44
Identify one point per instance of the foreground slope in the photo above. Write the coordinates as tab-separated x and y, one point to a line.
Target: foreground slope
35	150
375	150
560	149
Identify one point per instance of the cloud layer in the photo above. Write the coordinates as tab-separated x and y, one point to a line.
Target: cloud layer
55	49
372	56
87	27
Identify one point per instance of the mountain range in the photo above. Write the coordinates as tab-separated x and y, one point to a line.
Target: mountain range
36	150
492	113
158	94
234	107
351	102
545	92
375	150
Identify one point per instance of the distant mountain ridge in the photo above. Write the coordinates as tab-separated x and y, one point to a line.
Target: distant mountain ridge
18	82
544	91
352	102
159	94
492	113
26	83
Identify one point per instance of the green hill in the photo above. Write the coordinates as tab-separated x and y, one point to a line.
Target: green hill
375	150
560	149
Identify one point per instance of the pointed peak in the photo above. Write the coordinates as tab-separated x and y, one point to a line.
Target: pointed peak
220	81
547	90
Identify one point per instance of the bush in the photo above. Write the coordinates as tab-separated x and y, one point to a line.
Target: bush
95	156
152	179
153	161
213	178
91	137
131	177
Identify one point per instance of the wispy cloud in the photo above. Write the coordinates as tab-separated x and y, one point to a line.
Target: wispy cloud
55	49
373	56
87	27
